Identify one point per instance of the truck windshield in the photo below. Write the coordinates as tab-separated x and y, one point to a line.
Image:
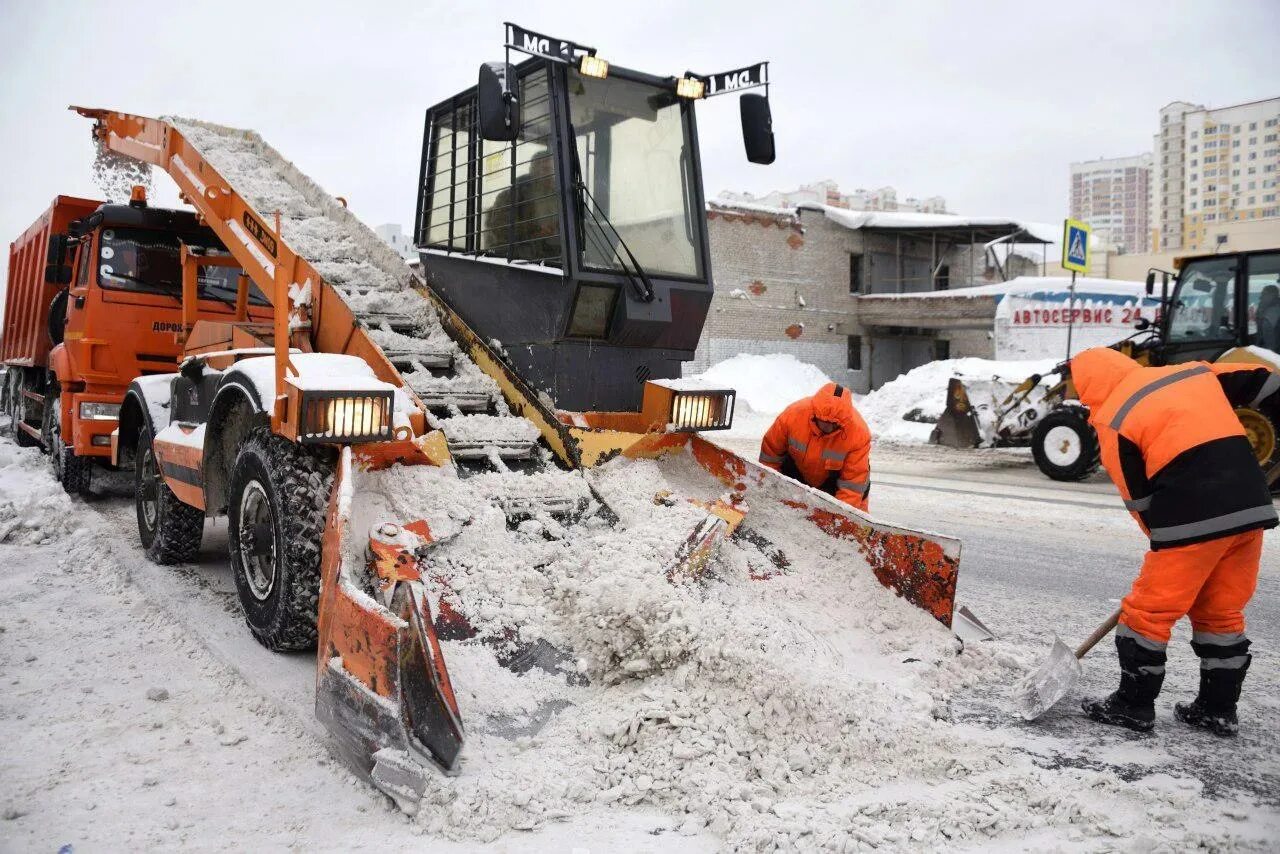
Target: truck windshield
635	157
148	261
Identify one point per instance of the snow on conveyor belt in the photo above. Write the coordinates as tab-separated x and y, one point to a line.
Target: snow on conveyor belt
808	710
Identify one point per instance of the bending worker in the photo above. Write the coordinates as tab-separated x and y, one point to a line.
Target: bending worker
823	441
1173	446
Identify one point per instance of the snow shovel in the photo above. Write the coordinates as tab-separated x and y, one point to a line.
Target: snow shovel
1059	673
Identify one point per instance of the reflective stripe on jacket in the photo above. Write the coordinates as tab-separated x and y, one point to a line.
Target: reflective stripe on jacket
838	463
1172	444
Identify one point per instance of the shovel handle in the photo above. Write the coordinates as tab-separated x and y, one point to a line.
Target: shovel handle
1098	634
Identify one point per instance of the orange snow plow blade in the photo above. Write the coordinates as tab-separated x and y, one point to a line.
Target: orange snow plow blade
920	567
382	687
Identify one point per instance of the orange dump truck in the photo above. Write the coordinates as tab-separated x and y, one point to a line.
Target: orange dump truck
94	301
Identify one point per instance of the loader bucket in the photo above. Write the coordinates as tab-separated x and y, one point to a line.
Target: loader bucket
957	427
922	568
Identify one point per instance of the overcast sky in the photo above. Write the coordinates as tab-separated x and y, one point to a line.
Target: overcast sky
983	103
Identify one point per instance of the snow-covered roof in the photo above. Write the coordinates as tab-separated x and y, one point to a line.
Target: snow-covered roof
1032	285
751	207
1036	232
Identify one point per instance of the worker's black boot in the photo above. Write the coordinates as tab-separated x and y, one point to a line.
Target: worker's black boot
1222	671
1141	675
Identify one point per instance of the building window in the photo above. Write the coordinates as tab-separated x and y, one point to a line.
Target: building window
942	281
941	349
855	352
855	274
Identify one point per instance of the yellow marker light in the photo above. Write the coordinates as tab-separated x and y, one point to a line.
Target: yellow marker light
593	66
690	87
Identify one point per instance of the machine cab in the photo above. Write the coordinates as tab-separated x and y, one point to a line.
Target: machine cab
561	213
1220	302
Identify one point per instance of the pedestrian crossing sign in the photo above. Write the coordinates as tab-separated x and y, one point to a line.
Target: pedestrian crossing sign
1075	246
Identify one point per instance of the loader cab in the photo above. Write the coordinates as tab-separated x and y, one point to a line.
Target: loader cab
567	222
1220	302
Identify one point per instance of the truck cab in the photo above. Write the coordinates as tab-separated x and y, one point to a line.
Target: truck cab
116	315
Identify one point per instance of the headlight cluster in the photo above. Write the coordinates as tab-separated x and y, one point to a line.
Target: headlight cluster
99	411
345	417
710	410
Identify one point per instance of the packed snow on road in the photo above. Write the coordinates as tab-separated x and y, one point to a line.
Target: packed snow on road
811	711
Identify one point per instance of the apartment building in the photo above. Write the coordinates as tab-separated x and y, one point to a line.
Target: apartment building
828	193
1216	168
1114	196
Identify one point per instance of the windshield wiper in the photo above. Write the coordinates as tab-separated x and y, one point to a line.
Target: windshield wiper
153	288
639	280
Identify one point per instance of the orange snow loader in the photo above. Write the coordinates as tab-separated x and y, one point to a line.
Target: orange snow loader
94	300
364	369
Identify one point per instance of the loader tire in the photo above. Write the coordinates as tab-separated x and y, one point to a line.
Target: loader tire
170	530
72	471
278	499
1065	446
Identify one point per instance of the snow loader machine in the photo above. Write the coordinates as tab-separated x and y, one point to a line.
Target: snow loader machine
562	234
1212	314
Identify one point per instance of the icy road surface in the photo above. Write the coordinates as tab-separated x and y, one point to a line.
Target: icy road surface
138	713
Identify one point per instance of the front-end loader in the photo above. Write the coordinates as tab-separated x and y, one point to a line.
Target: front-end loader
1218	310
382	440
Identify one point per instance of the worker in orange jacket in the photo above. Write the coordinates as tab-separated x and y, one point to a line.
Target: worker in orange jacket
1172	444
823	441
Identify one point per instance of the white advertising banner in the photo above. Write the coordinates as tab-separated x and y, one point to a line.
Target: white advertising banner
1033	324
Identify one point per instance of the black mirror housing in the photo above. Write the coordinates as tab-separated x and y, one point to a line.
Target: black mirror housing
757	128
57	274
497	103
1142	324
1151	282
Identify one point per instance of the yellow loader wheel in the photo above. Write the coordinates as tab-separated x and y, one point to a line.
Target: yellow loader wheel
1261	431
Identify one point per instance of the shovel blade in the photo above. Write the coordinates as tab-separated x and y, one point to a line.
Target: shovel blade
1058	675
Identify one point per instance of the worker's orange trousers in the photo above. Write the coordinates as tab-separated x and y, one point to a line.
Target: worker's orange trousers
1211	582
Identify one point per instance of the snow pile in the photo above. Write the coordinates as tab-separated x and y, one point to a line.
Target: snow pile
808	711
33	508
765	384
905	409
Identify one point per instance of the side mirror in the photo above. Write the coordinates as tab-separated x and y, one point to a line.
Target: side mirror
757	128
497	103
1151	282
1142	324
57	271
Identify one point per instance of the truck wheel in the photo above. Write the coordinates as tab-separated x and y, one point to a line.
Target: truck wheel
18	411
73	472
1065	447
170	530
276	513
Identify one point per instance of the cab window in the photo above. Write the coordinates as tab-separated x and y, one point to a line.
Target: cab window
1204	307
1263	275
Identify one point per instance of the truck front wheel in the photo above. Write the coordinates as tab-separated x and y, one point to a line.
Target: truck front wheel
276	516
170	530
1065	446
72	471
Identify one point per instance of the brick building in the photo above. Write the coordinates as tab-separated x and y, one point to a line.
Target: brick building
791	280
